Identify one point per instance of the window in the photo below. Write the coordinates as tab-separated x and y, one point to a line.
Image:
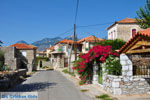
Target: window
114	34
133	32
87	45
69	50
64	48
24	53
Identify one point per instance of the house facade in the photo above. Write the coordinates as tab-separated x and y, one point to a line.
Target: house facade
87	43
29	52
13	58
124	29
59	53
41	53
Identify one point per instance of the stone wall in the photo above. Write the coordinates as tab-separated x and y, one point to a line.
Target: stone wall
118	86
126	83
31	59
46	63
11	55
10	79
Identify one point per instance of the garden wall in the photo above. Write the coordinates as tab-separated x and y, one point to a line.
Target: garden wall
117	85
127	83
11	78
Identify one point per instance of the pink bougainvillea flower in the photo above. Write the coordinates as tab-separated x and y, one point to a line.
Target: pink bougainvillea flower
97	52
103	59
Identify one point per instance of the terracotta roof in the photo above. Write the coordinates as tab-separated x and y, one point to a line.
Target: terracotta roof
22	46
128	20
35	47
145	33
41	52
67	41
51	48
124	21
90	39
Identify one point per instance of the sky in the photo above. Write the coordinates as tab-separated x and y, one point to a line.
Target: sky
33	20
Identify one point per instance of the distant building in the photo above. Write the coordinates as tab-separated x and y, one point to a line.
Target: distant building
124	29
13	58
59	53
41	53
49	50
29	52
88	42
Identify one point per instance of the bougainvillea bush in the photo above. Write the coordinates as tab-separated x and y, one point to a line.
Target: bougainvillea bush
84	65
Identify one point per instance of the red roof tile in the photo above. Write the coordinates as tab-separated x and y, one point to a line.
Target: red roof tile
145	33
51	48
22	46
67	41
126	20
35	47
90	39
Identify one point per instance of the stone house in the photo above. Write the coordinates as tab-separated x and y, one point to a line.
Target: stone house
135	61
13	58
41	53
88	42
59	53
124	29
29	52
49	50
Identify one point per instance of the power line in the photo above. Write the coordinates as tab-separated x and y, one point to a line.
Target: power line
65	32
94	25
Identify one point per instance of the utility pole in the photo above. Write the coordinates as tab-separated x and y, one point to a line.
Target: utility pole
74	44
73	48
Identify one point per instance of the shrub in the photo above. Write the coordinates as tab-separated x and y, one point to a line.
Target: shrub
81	82
116	44
41	58
104	97
84	90
65	71
1	59
113	65
44	67
100	79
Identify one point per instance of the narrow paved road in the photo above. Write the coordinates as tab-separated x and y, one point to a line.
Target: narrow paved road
51	85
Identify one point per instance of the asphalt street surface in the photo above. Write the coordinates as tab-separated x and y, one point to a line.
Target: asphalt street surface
51	85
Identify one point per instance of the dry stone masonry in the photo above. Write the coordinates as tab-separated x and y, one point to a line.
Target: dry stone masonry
126	83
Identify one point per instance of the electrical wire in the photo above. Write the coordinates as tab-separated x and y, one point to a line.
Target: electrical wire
69	30
95	25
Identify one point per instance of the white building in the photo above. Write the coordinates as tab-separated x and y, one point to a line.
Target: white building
124	29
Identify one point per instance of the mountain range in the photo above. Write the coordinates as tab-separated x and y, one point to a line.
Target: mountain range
44	43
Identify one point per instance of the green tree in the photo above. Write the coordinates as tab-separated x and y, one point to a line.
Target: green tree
1	43
1	59
116	44
143	14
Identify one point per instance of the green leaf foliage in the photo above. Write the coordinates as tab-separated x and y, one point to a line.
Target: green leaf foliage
1	42
113	66
143	14
1	59
41	58
116	44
